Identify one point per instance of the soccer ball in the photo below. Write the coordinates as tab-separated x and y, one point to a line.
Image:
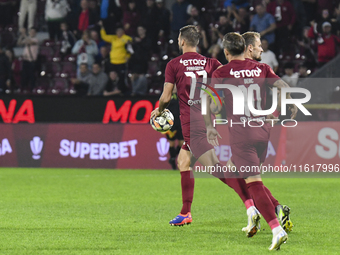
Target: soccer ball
164	122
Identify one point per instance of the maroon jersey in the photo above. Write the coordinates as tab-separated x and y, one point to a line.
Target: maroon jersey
180	71
246	74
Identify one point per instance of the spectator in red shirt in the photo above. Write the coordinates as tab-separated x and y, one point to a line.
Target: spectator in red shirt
284	14
86	17
327	42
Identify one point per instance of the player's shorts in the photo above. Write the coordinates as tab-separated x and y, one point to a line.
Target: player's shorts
175	134
247	156
195	141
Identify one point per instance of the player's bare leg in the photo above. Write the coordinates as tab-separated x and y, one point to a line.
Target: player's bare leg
187	184
266	208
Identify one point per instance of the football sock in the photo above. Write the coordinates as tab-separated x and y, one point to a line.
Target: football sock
250	210
172	151
187	184
273	199
276	230
263	203
239	186
249	203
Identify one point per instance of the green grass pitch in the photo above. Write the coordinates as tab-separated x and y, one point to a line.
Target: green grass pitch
68	211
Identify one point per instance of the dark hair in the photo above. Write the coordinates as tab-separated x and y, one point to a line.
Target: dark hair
289	65
262	5
198	9
119	27
97	63
190	34
234	43
250	37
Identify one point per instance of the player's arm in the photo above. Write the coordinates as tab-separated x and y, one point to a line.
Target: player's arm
216	105
164	100
279	84
211	131
215	108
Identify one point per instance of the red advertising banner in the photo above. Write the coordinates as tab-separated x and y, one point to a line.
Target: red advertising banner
138	146
30	109
313	143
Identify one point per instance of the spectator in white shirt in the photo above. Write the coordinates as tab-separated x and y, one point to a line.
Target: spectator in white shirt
268	57
86	50
290	77
55	13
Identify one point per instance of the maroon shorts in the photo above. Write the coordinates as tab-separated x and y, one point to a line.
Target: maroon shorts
195	140
247	157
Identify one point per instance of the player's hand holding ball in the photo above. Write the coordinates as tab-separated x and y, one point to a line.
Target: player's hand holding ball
155	113
161	121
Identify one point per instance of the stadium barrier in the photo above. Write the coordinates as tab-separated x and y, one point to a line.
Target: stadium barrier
54	109
138	146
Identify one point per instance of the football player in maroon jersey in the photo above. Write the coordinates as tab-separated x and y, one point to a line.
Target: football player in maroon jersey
248	143
183	72
253	51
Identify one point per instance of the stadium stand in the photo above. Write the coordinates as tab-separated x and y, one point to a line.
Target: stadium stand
54	69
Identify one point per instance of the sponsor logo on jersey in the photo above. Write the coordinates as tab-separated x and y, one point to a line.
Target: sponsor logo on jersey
192	102
193	62
246	73
36	147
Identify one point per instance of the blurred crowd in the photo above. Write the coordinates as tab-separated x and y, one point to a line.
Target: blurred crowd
121	47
